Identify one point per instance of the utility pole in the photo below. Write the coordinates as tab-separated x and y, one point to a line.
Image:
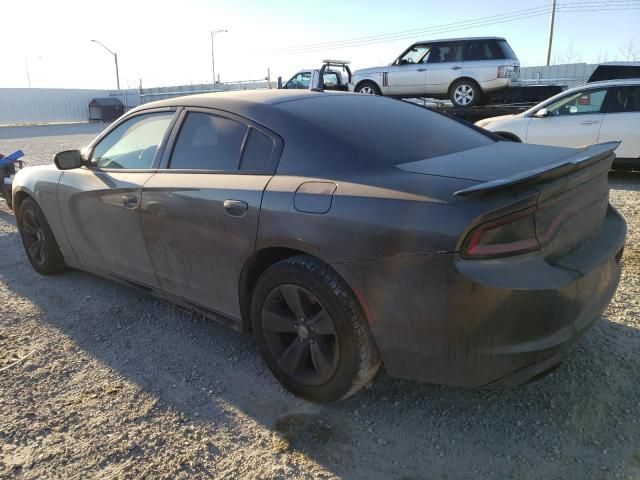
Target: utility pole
115	57
213	59
26	64
553	16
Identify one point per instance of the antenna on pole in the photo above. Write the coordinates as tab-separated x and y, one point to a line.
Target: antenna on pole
553	16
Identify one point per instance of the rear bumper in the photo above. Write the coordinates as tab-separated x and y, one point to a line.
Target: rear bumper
446	320
499	84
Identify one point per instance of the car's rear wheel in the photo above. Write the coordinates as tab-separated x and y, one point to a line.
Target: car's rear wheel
311	330
465	93
368	88
38	240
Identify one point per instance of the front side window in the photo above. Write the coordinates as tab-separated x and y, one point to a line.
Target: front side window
414	55
578	103
208	142
300	81
133	143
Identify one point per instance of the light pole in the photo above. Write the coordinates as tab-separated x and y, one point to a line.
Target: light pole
553	16
213	60
115	57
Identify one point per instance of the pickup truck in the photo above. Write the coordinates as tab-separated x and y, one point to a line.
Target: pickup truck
327	77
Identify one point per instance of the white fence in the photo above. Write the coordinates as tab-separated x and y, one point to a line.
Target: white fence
46	105
569	74
50	105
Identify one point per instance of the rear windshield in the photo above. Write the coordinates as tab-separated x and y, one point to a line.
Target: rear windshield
393	130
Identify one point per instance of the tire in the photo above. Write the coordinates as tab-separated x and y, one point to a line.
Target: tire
327	352
368	88
37	238
465	93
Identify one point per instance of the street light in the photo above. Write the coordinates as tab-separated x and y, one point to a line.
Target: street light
115	57
213	61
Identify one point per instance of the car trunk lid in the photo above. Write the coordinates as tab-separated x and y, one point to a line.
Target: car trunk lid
572	185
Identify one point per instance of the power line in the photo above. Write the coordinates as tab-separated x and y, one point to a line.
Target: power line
574	7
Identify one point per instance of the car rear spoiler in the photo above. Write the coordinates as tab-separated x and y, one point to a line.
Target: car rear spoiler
583	157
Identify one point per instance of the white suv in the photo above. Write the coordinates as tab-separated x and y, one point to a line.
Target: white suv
461	69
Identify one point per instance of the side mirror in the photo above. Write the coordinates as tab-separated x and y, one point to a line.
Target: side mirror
68	159
543	112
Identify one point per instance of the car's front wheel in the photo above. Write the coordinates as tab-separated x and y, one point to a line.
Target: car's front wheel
465	93
368	88
311	330
38	240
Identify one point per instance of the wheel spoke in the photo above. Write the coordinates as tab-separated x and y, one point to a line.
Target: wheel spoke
293	298
292	359
320	361
34	249
277	322
322	323
28	228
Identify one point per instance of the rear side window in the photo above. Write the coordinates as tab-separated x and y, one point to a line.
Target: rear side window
392	131
484	50
208	142
625	99
507	50
258	150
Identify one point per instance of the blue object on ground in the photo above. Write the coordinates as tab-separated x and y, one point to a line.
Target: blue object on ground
11	158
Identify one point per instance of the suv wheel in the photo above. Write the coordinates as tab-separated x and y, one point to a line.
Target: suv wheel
311	330
465	93
368	88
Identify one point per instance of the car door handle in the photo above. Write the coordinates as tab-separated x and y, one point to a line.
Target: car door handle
422	69
129	201
588	122
456	68
236	208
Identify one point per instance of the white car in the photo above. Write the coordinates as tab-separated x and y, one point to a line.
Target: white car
593	113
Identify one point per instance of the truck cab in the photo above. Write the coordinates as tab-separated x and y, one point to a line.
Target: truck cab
333	75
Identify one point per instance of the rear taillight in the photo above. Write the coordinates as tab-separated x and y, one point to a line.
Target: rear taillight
509	235
507	71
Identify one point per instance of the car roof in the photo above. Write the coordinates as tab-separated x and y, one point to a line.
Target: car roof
458	39
231	100
606	83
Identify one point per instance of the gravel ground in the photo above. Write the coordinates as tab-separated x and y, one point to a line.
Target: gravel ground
117	384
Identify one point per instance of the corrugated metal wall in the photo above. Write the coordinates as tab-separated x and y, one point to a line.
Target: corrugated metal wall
44	105
570	74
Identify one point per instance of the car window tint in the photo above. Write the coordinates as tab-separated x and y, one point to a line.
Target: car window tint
389	130
484	50
577	103
132	144
625	99
257	152
446	52
208	142
507	50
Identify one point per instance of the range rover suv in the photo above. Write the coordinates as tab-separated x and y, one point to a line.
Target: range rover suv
465	70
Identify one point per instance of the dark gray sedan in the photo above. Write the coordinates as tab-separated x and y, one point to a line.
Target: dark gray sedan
343	230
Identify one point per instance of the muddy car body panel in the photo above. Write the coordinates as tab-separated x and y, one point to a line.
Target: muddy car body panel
492	284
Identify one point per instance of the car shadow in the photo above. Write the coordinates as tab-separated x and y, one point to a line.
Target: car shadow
619	180
559	425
